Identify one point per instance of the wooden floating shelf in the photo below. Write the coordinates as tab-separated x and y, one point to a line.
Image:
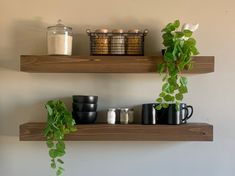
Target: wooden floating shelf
104	64
133	132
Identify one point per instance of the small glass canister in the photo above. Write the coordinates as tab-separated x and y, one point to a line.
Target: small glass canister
117	42
59	39
126	116
134	42
101	42
111	116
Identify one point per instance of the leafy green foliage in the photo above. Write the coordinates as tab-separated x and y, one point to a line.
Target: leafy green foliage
59	123
180	46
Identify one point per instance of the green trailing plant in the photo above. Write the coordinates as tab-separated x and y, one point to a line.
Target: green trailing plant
59	123
180	46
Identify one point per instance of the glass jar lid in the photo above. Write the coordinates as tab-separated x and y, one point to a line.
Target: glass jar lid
134	31
117	31
124	109
59	26
101	30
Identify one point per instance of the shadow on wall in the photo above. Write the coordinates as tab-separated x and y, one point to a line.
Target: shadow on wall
26	112
29	37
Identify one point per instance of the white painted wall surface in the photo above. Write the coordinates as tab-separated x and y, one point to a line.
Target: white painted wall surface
22	95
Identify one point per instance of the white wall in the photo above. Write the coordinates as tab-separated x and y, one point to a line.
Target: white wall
22	95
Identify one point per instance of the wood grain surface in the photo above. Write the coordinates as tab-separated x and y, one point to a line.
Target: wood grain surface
104	64
133	132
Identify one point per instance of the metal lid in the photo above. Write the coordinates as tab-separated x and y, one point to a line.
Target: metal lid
111	109
134	31
60	25
124	109
101	30
120	31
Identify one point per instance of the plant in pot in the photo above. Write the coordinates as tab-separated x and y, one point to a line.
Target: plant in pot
59	123
180	46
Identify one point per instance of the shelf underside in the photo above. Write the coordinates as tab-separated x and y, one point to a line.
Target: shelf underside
133	132
104	64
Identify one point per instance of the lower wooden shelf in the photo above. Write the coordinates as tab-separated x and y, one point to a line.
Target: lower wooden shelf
133	132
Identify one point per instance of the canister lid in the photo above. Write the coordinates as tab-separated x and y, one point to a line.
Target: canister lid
60	25
111	109
101	30
124	109
134	31
120	31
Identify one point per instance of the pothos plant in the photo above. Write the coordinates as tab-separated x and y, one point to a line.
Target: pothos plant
180	46
59	123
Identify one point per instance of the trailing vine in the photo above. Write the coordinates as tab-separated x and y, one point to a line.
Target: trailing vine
180	46
59	123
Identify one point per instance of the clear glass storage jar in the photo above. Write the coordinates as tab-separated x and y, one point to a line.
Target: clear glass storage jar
59	39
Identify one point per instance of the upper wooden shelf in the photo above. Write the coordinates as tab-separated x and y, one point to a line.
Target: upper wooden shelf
133	132
104	64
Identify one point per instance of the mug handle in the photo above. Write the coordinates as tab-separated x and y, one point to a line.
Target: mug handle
186	114
190	115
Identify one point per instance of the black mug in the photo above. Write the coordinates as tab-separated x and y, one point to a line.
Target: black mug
171	116
149	114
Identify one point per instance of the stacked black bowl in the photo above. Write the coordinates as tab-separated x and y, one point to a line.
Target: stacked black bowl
84	109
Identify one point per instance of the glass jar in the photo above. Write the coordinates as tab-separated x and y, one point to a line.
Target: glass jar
59	39
124	116
117	42
111	116
101	42
134	42
131	116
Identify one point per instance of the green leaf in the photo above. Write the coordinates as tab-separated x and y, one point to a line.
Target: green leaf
53	165
181	65
73	129
172	80
194	50
60	161
168	98
177	23
190	66
168	42
171	66
161	67
49	110
60	146
50	143
165	87
188	33
167	36
52	153
179	34
179	96
168	57
183	81
190	42
165	105
172	89
159	107
183	89
159	100
59	172
162	94
59	153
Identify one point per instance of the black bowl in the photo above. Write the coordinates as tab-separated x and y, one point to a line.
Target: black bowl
86	107
85	99
84	117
